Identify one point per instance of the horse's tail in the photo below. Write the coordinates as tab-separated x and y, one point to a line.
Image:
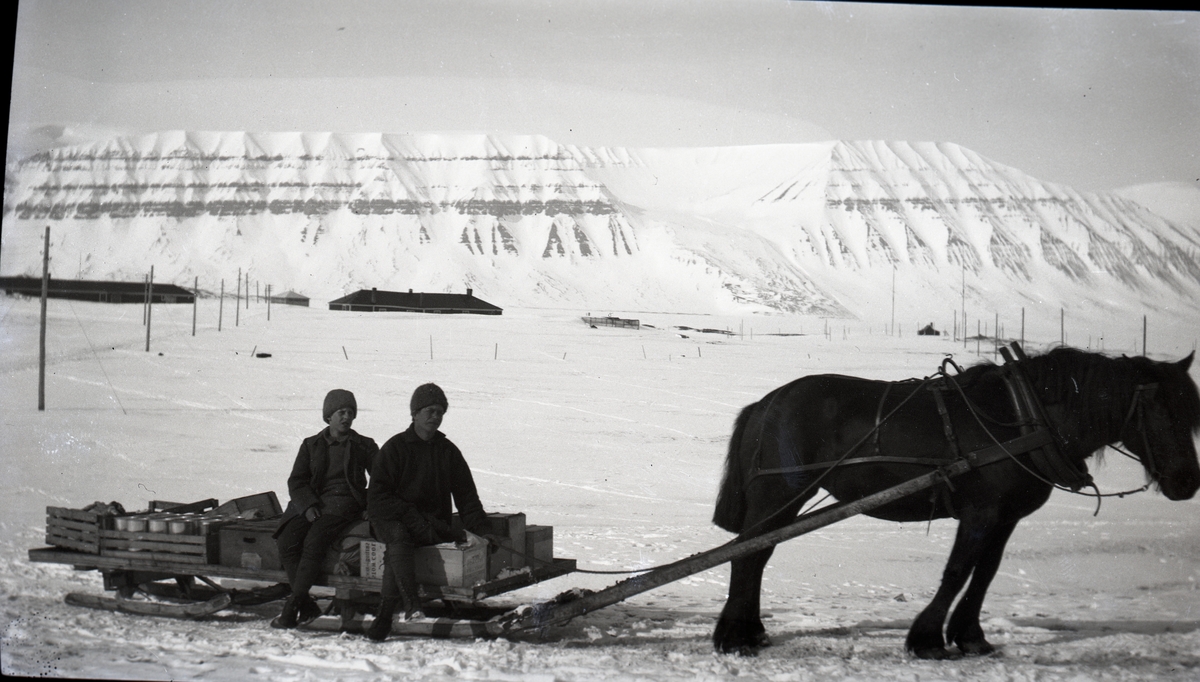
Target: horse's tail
730	511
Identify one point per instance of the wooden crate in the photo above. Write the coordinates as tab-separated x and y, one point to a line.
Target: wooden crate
74	529
170	547
443	565
266	503
539	544
250	544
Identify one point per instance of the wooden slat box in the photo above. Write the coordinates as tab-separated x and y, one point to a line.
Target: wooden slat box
442	565
74	529
249	544
190	549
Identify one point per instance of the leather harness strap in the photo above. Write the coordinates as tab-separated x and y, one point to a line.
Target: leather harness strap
1047	459
977	458
947	427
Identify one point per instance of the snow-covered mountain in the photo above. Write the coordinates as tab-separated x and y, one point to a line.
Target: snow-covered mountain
805	228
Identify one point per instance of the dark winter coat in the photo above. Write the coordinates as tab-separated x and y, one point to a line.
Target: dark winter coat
412	485
312	465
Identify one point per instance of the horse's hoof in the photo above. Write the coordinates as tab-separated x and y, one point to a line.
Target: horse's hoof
737	649
936	654
762	641
976	649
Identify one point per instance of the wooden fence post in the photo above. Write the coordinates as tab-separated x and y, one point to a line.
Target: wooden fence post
149	306
42	331
195	302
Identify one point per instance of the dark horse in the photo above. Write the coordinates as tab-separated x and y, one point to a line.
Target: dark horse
895	431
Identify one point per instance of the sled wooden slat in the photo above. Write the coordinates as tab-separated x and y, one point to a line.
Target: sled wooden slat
171	564
156	556
62	523
440	627
73	514
74	529
159	546
79	543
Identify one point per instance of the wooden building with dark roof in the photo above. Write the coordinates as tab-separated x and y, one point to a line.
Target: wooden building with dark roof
96	290
374	300
289	298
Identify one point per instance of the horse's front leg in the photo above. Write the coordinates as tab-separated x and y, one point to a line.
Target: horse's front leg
740	629
925	636
963	628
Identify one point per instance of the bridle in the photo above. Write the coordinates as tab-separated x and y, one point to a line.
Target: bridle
1141	393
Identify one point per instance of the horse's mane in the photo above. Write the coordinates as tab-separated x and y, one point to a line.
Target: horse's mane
1101	387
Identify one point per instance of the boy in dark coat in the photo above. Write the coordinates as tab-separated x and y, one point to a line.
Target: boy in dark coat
417	474
328	489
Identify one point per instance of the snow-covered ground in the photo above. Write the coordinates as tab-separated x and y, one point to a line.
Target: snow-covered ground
614	437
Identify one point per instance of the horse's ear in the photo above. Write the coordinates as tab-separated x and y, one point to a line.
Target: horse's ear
1185	363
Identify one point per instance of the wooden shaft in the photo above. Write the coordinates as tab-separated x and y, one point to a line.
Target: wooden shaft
703	561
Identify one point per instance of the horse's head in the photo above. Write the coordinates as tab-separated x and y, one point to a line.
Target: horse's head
1159	427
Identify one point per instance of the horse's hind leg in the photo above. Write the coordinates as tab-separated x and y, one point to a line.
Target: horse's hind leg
740	628
963	628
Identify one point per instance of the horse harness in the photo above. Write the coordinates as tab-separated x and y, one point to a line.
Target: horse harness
1037	438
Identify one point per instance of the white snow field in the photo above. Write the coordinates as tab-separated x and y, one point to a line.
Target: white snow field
614	437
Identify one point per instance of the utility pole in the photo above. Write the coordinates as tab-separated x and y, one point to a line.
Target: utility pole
964	304
893	299
237	302
149	306
195	303
42	332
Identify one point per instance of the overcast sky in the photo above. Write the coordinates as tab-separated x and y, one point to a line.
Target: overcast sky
1093	99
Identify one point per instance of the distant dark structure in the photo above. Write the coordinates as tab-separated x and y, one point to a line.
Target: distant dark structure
611	321
928	330
374	300
92	290
290	298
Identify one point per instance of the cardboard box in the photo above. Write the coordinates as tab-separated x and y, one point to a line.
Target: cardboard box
510	526
248	544
370	559
442	565
539	544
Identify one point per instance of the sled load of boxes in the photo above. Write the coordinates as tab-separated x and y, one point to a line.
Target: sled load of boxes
239	534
